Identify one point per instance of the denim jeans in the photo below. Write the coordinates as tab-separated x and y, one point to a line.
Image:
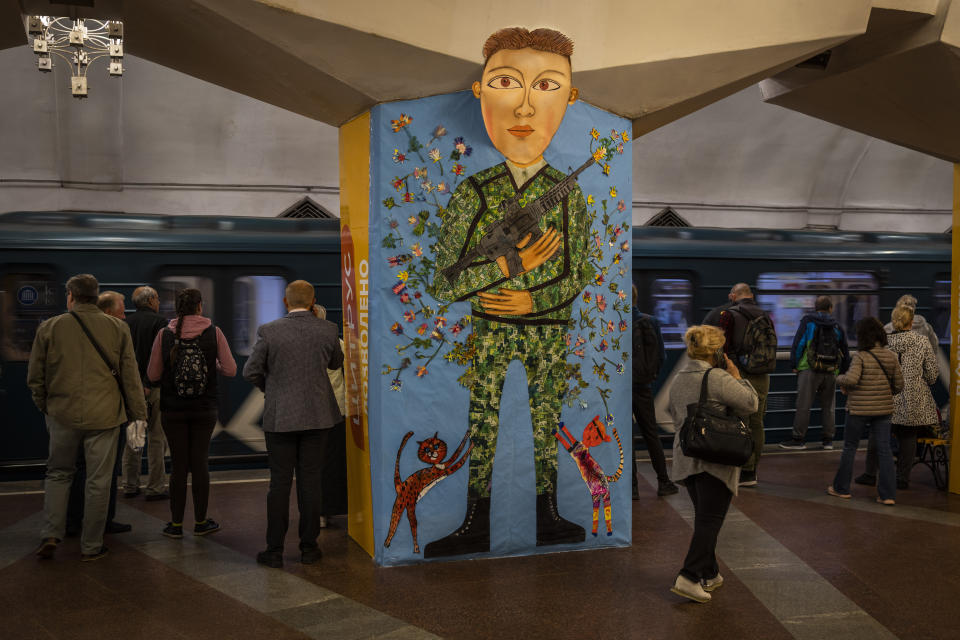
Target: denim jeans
880	430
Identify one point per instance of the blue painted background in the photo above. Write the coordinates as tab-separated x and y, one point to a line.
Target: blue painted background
436	402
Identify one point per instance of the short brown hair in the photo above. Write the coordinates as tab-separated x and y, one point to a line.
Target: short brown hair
519	38
299	294
823	303
84	288
109	300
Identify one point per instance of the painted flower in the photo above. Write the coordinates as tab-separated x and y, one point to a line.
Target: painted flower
600	154
396	328
610	326
439	131
616	259
578	353
401	122
625	246
404	297
437	335
403	275
461	147
456	328
613	192
568	339
417	251
422	329
621	206
419	172
586	297
442	187
408	197
389	203
601	303
622	294
594	134
598	240
623	325
580	340
398	157
606	169
395	261
598	280
625	136
603	345
620	149
427	186
412	220
421	371
397	183
417	295
440	322
620	368
458	169
583	404
409	316
434	155
590	199
395	384
609	419
399	287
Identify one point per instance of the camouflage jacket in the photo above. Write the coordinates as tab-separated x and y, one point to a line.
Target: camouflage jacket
553	285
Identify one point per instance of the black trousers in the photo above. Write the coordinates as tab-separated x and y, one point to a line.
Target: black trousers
711	499
646	417
303	453
188	436
75	503
334	482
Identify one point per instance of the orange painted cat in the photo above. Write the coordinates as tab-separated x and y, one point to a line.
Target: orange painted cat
591	472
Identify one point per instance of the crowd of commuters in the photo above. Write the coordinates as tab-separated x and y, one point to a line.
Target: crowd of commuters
110	386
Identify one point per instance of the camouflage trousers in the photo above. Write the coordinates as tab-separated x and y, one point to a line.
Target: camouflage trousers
542	351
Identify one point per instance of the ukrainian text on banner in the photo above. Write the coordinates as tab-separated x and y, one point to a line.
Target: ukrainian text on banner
499	334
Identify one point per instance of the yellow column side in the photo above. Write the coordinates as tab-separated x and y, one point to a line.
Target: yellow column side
354	150
955	333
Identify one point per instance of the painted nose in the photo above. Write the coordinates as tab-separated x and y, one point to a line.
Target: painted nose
525	109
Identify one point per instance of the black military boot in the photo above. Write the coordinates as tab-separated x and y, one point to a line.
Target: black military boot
551	528
473	536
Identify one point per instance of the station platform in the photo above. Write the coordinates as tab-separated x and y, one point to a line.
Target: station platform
797	563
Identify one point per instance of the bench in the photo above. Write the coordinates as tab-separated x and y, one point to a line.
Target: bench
934	454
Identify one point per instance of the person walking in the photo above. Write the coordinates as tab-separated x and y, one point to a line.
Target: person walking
145	323
83	377
818	354
914	408
289	364
751	342
185	359
711	485
648	356
871	382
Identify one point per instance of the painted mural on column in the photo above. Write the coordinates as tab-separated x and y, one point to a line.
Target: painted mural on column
500	314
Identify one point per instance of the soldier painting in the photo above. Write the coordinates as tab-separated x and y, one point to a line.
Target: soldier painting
517	314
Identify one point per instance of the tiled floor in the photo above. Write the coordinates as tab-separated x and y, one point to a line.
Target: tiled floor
797	564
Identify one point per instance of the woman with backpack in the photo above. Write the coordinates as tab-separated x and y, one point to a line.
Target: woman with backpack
186	357
870	383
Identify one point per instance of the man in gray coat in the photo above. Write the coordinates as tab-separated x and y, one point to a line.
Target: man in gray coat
289	364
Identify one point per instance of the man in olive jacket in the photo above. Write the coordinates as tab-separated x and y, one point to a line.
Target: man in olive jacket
76	391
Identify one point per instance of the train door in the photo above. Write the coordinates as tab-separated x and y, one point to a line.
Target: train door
29	294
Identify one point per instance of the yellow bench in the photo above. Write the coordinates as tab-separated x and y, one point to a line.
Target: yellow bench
934	454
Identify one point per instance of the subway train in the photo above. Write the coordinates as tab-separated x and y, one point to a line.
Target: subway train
243	264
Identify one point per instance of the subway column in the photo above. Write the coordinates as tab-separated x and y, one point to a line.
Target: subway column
954	485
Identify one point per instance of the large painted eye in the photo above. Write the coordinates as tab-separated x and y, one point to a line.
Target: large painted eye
545	84
504	82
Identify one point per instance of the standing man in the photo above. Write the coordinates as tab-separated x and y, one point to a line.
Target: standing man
751	343
519	312
84	408
289	364
144	325
648	356
713	316
818	354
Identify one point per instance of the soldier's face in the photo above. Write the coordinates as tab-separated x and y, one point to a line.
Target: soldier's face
523	96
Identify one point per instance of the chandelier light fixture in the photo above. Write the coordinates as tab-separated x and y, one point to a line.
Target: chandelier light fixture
79	43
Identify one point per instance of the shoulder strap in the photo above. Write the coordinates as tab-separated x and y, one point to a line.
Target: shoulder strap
884	369
114	371
703	386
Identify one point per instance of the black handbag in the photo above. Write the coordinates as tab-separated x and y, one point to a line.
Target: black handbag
712	436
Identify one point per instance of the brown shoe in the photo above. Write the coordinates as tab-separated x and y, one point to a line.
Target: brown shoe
47	548
90	557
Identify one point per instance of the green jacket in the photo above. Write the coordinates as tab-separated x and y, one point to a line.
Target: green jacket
69	380
554	285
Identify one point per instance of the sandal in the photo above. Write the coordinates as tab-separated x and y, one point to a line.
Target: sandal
837	494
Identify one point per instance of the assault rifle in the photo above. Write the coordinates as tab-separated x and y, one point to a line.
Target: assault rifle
501	238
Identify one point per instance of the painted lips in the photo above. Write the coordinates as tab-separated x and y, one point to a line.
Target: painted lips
521	131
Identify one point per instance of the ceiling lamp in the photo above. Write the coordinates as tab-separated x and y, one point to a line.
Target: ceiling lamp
79	43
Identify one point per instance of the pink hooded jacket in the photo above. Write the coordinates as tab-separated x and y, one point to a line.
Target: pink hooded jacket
192	327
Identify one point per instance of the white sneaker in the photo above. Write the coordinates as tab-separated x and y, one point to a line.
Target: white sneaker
690	589
712	584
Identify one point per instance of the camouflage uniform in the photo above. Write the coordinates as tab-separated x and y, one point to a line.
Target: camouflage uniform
536	339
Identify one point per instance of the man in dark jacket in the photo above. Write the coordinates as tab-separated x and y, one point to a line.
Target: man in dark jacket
144	325
647	359
289	364
818	354
734	320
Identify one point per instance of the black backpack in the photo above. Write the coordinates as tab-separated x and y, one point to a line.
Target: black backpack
757	352
189	368
647	354
824	351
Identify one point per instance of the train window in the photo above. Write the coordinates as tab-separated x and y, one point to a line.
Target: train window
26	300
256	300
168	286
941	310
672	305
788	296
